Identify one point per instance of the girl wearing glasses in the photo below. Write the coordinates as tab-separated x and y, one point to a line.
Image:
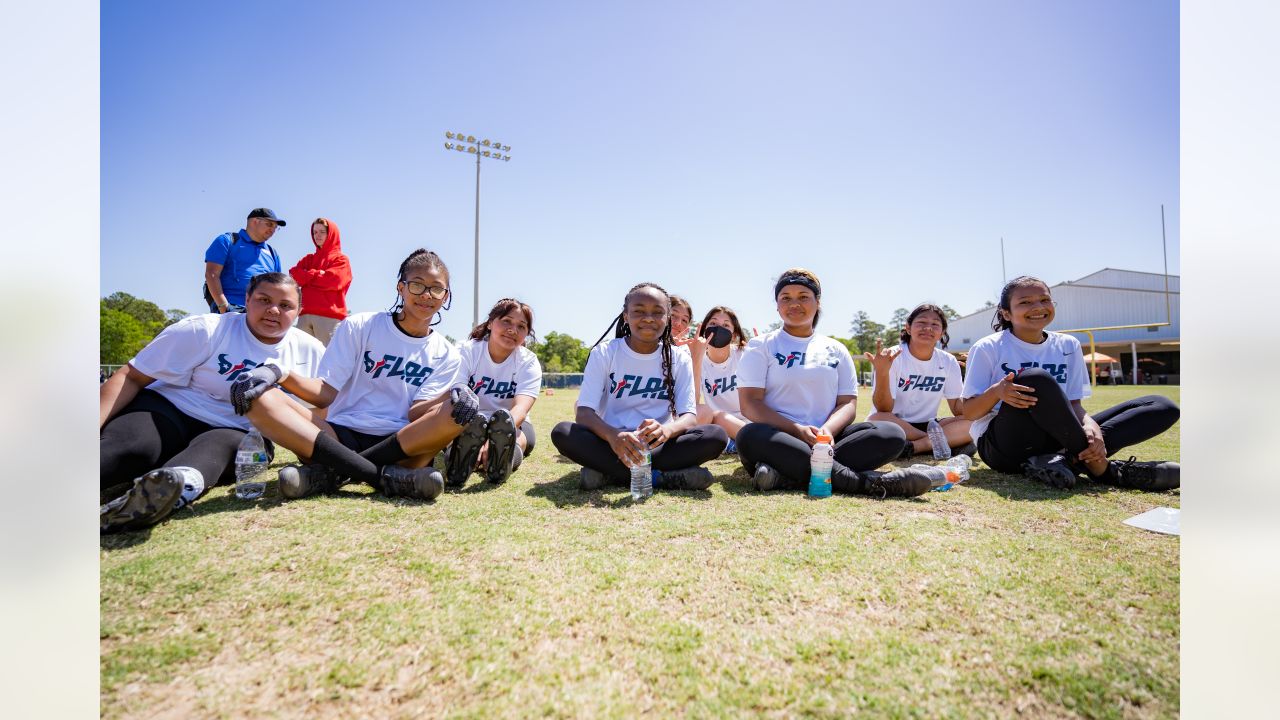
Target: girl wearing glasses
381	371
167	431
506	377
913	378
637	391
1023	392
794	384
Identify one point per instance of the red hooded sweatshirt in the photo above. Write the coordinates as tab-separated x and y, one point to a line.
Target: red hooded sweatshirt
324	277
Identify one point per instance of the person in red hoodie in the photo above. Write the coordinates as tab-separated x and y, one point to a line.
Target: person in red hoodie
324	277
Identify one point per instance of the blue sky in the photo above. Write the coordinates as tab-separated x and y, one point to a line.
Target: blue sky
707	147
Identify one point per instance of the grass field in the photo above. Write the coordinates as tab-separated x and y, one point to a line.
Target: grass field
998	598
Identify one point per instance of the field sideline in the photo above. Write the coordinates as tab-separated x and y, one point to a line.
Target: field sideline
998	598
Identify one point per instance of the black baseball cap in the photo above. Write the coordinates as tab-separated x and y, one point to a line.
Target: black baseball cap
265	213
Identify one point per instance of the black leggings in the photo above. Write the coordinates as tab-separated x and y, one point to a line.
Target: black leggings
150	432
688	449
861	446
1050	425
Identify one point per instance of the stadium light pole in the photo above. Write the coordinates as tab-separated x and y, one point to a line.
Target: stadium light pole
494	150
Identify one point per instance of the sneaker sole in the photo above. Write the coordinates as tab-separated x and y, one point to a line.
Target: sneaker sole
150	501
502	442
462	456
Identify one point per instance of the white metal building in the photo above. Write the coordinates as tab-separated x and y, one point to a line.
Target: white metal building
1107	298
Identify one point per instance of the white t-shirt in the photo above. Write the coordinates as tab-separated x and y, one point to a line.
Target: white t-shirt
801	377
999	354
379	371
195	360
720	382
917	386
625	388
498	384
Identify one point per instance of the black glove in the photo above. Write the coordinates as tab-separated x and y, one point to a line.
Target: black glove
465	405
250	386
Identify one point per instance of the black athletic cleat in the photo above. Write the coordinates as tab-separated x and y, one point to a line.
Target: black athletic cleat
693	478
766	478
908	450
1144	475
1052	470
970	449
902	482
465	449
150	500
421	483
298	481
502	445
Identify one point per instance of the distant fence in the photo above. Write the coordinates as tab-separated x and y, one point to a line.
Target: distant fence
561	380
105	371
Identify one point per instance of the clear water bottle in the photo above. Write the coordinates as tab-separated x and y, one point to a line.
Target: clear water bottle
938	440
251	466
820	461
642	475
950	473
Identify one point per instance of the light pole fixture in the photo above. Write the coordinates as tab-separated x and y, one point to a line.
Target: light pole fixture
494	150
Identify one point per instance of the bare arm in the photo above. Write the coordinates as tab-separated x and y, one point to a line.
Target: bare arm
1006	390
842	416
520	409
118	391
313	390
957	406
754	409
881	363
213	278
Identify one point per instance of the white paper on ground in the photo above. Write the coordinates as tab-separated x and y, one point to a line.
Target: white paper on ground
1162	520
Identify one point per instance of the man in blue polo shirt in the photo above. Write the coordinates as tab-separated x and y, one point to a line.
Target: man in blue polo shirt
234	258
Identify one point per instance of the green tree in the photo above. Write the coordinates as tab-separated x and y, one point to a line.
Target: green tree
564	353
950	313
893	330
127	323
120	335
864	331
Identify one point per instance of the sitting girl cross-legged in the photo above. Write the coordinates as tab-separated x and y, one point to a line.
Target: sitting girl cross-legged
637	390
911	379
1023	391
388	382
794	385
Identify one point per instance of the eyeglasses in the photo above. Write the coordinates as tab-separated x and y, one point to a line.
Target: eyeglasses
436	291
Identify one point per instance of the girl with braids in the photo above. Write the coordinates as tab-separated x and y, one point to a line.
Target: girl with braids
381	370
637	390
1023	390
716	352
506	377
167	432
913	378
794	384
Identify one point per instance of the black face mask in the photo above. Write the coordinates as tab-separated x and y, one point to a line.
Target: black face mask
719	336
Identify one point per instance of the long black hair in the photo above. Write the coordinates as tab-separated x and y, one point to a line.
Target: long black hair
622	329
422	258
998	322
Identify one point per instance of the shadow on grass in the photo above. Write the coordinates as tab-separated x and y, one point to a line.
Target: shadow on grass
565	492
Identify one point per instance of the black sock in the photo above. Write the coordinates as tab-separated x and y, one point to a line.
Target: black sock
386	452
336	456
